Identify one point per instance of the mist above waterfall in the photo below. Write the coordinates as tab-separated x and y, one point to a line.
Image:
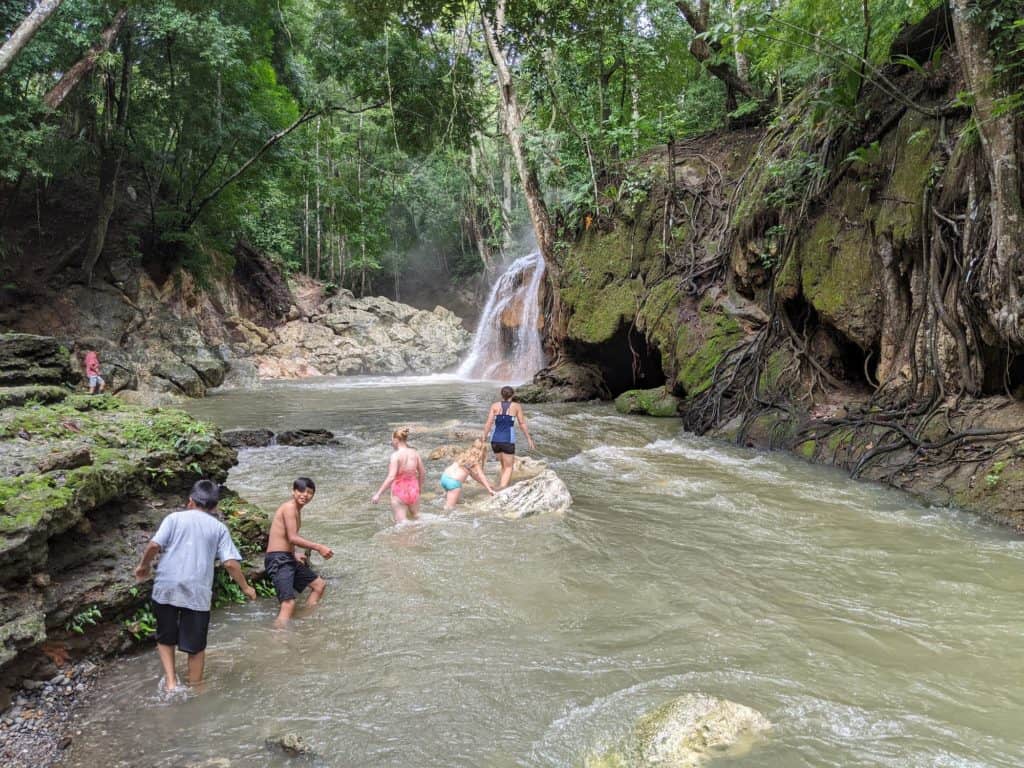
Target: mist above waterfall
507	345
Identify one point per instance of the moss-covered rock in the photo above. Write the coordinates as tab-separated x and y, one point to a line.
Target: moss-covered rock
700	345
648	402
84	482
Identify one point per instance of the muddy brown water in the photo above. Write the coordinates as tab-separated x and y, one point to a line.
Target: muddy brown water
870	630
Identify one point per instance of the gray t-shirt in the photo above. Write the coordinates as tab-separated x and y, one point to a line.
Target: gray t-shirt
190	541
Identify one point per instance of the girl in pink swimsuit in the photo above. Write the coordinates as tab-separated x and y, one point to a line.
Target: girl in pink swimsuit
405	478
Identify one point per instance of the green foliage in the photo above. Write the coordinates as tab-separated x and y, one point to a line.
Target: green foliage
790	179
142	624
225	591
87	617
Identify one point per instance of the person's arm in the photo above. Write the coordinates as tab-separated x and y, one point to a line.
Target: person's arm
421	471
392	473
291	530
481	478
142	570
235	572
522	425
490	422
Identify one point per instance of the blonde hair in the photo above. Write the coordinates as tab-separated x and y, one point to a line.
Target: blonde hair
402	433
475	454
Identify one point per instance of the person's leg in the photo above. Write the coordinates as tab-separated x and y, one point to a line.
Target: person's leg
102	385
317	589
508	463
167	617
414	510
284	614
451	498
399	509
167	661
196	664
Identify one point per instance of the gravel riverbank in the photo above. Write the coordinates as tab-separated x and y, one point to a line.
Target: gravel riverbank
37	727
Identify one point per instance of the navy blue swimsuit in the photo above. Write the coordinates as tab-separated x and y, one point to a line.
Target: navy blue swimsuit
504	426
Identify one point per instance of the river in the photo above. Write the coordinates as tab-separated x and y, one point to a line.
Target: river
870	630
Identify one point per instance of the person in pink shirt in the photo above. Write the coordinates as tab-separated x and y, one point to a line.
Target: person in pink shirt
92	371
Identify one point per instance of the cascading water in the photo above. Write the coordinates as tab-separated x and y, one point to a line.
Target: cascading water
507	345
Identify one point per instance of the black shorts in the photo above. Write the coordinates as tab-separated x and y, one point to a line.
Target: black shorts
182	627
290	577
509	448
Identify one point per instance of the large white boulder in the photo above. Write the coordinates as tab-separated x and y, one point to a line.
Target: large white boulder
544	493
688	732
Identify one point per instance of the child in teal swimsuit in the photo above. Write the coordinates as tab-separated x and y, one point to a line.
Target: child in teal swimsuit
469	463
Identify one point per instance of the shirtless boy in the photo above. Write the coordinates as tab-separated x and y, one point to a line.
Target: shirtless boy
289	572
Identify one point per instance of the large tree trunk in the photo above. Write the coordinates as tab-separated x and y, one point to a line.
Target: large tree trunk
21	36
84	66
999	273
513	124
706	52
112	151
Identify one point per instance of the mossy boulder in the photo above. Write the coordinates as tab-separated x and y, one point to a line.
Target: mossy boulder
648	402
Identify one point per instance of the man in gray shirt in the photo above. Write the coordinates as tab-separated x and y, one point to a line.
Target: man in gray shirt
189	541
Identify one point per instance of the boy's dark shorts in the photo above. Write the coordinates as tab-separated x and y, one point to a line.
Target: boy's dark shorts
182	627
509	448
290	577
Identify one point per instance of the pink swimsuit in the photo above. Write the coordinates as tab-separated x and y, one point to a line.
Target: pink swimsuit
406	488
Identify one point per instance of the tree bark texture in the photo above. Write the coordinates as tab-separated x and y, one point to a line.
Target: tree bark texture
85	65
704	51
513	122
21	36
998	270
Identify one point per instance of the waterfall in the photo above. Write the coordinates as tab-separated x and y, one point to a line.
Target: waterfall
507	344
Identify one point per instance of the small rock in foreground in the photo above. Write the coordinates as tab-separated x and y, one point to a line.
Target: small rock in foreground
292	744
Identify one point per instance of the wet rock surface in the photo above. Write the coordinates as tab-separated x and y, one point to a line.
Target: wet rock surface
648	402
565	382
688	732
248	438
304	438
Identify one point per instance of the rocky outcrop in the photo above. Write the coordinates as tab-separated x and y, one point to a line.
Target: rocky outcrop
304	438
28	359
346	335
564	382
688	732
84	481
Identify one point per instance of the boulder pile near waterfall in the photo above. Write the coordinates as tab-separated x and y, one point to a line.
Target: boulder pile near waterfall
346	335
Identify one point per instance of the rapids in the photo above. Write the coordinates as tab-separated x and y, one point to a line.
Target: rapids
870	630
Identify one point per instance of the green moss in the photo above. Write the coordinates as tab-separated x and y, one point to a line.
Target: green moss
912	147
649	402
29	501
31	394
597	318
839	438
700	346
807	448
836	269
771	377
658	319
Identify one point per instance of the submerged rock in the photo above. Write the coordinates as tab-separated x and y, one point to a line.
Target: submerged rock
304	438
544	493
688	732
648	402
247	438
292	744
